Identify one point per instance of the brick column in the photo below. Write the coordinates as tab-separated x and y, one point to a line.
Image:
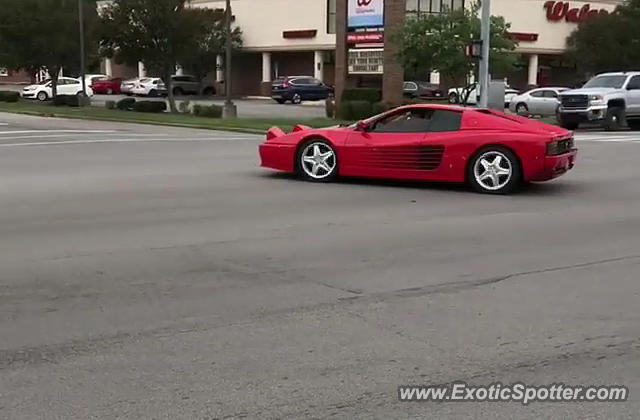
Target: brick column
394	13
341	65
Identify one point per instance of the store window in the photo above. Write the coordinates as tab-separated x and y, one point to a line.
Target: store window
422	8
331	16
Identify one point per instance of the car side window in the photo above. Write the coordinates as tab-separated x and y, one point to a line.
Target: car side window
634	83
443	120
410	86
408	121
550	94
296	82
537	94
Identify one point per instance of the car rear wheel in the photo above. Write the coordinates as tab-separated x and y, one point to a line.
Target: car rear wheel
296	98
317	161
280	101
453	98
42	96
522	109
614	118
495	170
153	93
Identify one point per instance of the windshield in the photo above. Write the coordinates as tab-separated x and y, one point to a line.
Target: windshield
606	82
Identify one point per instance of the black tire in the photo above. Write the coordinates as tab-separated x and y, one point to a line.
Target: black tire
614	118
633	124
522	108
178	91
280	101
304	171
42	96
296	98
208	91
153	93
505	185
453	98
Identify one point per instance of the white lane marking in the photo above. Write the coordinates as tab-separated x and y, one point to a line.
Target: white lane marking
130	135
129	140
57	131
3	124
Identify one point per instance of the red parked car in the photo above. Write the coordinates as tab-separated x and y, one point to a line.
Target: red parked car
487	149
107	86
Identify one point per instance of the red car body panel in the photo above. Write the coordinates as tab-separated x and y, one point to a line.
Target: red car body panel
103	86
433	156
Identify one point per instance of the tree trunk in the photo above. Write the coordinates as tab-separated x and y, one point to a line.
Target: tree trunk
168	83
54	81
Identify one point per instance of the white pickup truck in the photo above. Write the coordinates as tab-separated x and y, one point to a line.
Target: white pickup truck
610	99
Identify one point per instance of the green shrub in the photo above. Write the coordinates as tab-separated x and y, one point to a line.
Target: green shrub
379	108
61	100
354	110
126	104
9	96
362	94
150	106
330	107
212	111
110	104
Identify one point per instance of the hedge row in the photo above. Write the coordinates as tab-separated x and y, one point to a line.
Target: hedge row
68	100
150	106
125	104
360	110
211	111
362	94
9	96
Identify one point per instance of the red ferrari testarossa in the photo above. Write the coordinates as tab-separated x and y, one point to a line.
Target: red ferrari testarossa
487	149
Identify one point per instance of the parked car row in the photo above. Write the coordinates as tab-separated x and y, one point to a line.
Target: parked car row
44	90
154	86
456	94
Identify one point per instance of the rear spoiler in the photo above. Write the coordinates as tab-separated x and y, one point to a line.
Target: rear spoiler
275	132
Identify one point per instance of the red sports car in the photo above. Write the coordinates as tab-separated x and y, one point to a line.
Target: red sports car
107	86
491	151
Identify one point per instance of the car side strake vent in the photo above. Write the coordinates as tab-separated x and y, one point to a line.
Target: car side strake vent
403	157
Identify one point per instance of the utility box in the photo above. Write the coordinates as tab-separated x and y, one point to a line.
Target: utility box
496	95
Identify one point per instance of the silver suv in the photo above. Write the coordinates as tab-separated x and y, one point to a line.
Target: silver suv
610	99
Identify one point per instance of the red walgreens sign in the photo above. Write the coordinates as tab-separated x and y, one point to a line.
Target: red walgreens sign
365	38
558	10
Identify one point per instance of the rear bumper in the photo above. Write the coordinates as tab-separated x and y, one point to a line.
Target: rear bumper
277	156
555	166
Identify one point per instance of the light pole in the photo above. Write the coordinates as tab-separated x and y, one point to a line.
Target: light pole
229	110
82	63
485	33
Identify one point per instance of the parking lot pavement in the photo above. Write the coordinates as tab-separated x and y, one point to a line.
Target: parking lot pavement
158	272
247	108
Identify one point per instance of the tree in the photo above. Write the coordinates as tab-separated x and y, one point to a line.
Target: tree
43	35
608	42
161	34
438	42
207	42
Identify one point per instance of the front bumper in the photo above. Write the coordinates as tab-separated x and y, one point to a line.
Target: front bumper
555	166
28	94
592	113
277	156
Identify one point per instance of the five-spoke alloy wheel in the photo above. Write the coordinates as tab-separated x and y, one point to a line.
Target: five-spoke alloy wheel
317	161
495	170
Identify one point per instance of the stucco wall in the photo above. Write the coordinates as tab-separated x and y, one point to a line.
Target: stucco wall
263	21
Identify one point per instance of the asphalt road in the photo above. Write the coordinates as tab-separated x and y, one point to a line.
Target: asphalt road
153	272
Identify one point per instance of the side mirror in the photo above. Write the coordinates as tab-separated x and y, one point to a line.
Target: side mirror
362	126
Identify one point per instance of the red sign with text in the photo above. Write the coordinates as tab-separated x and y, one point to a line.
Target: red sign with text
559	10
365	38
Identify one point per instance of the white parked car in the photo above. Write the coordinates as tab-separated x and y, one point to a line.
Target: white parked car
540	101
149	86
127	85
66	86
456	95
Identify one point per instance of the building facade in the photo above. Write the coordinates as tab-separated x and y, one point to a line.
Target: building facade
316	38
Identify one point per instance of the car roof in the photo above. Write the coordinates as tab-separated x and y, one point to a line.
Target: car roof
550	88
620	73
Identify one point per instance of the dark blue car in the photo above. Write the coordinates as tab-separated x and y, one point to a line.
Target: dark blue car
299	88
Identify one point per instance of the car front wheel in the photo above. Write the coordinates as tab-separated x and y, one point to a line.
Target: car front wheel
613	119
317	161
495	170
296	98
453	98
42	96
